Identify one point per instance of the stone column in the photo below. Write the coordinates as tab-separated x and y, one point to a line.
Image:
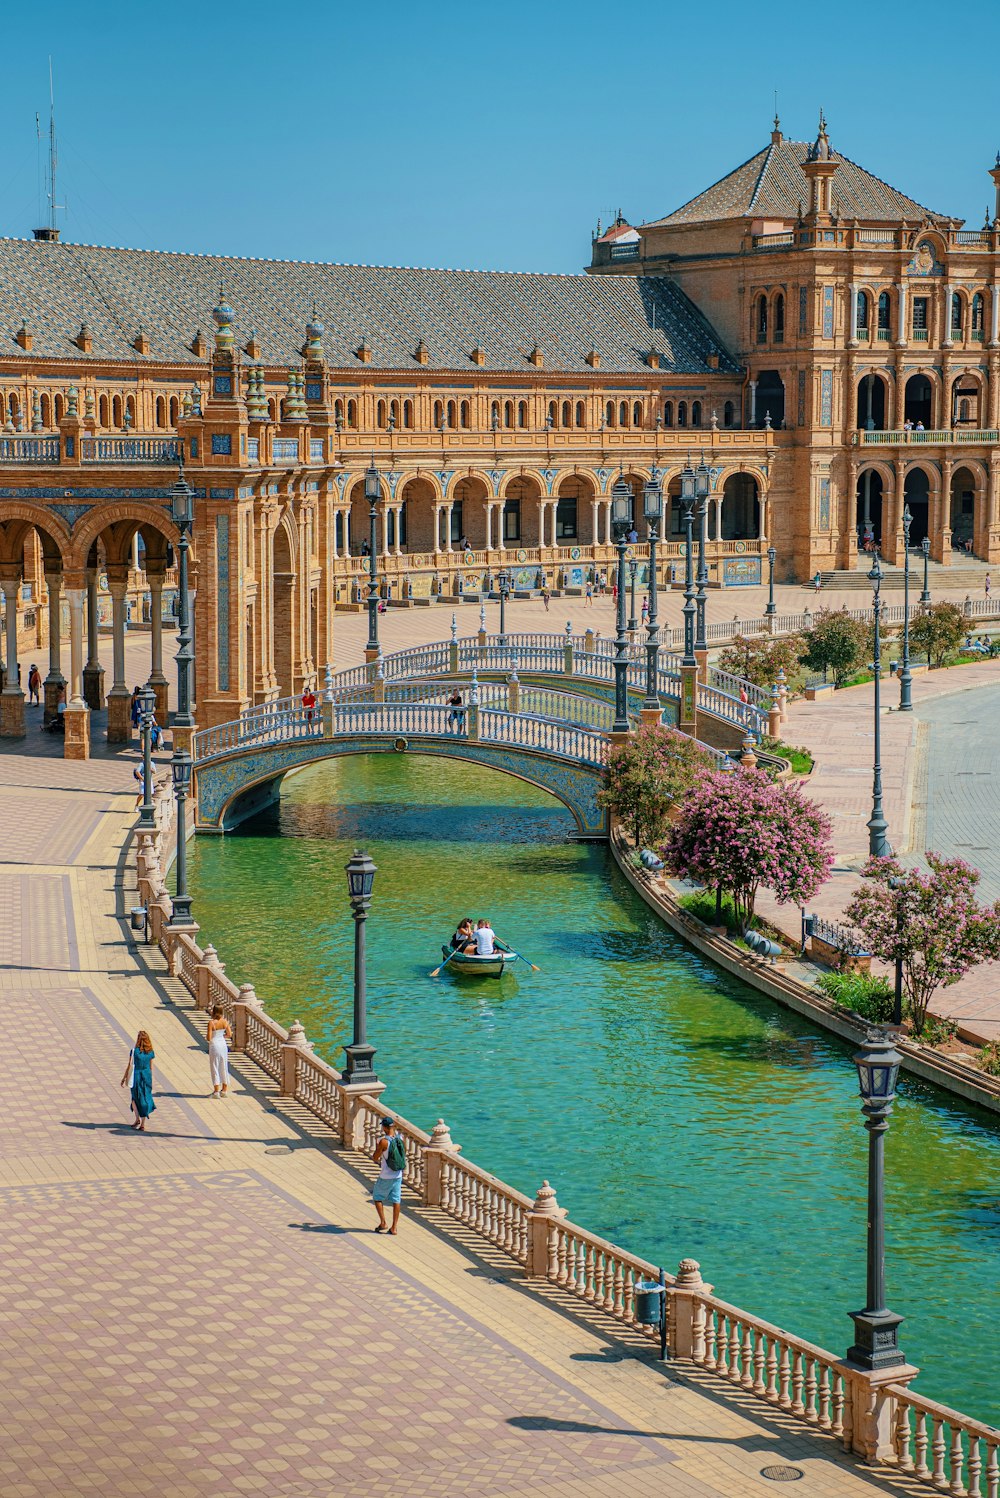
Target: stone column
399	517
594	513
447	525
901	334
55	682
949	292
135	552
995	317
157	680
119	698
93	671
437	530
77	714
941	544
12	697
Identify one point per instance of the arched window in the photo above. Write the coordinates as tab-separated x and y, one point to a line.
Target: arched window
567	417
59	408
637	413
728	412
522	413
495	414
956	314
272	410
465	414
884	313
130	411
438	413
408	414
963	410
977	315
394	413
609	414
174	410
3	407
861	313
682	414
668	413
380	414
352	413
452	414
581	414
45	410
779	319
762	319
161	412
508	413
102	410
623	414
116	410
696	413
553	413
338	412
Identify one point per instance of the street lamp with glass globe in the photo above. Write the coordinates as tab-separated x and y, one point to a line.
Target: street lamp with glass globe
772	557
360	870
925	547
905	675
182	514
703	486
621	524
652	506
878	827
373	493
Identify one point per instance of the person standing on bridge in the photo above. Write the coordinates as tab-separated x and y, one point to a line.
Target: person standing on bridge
390	1157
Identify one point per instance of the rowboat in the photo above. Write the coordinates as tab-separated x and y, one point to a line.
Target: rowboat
470	966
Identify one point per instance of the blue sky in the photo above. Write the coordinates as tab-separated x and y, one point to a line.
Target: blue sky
453	134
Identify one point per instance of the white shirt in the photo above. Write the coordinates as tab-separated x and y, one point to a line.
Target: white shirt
385	1172
484	941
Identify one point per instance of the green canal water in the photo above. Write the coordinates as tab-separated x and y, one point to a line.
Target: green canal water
676	1111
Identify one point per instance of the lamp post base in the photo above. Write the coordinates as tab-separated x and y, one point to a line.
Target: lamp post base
875	1345
358	1065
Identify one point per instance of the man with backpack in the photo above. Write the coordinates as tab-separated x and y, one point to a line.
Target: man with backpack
390	1157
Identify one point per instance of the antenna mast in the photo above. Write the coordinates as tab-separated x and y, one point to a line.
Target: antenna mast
51	230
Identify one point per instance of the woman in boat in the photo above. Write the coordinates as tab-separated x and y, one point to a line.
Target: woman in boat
463	936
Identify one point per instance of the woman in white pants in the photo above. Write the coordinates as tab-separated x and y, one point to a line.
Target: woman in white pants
219	1035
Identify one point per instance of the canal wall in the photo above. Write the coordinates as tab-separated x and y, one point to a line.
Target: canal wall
955	1076
878	1417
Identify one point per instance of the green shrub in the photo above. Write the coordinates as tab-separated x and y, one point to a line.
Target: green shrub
801	760
703	907
989	1058
867	994
937	1030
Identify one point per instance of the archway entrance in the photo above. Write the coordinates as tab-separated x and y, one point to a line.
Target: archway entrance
918	401
740	508
283	574
871	403
962	510
770	398
916	494
869	510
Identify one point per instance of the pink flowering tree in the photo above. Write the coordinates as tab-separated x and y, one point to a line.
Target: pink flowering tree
944	930
738	832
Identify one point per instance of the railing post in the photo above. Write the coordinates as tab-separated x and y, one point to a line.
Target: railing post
685	1335
247	1001
352	1094
543	1214
774	715
783	693
440	1146
293	1047
326	712
204	969
589	641
568	650
873	1411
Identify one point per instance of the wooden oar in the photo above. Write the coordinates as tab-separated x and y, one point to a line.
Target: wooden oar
534	969
445	960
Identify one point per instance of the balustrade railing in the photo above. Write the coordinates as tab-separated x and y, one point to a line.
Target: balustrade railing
29	449
264	1041
316	1087
285	449
415	1141
744	714
941	1447
563	739
734	685
486	1206
165	450
979	436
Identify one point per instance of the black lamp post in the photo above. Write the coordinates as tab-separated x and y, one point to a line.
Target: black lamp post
180	768
652	499
503	588
688	497
621	524
147	706
905	675
875	1327
925	547
633	568
373	493
182	514
703	486
360	879
878	843
772	557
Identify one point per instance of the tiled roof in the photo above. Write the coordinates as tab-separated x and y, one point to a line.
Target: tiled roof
773	184
55	287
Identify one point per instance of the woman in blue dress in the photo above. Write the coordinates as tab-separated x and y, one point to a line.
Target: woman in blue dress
140	1064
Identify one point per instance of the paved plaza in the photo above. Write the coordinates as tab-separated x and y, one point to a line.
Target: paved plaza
205	1309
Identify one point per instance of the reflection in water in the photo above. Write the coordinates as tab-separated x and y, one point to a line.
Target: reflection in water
675	1111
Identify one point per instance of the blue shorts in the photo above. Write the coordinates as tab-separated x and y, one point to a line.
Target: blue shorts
388	1191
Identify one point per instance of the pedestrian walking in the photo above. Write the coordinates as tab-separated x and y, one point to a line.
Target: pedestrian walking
35	676
135	710
546	596
140	1069
139	776
986	585
390	1157
219	1033
590	596
645	610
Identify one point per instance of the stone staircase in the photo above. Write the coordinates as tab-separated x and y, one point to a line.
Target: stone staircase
966	575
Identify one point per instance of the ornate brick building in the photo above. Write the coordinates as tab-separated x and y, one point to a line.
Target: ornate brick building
826	345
